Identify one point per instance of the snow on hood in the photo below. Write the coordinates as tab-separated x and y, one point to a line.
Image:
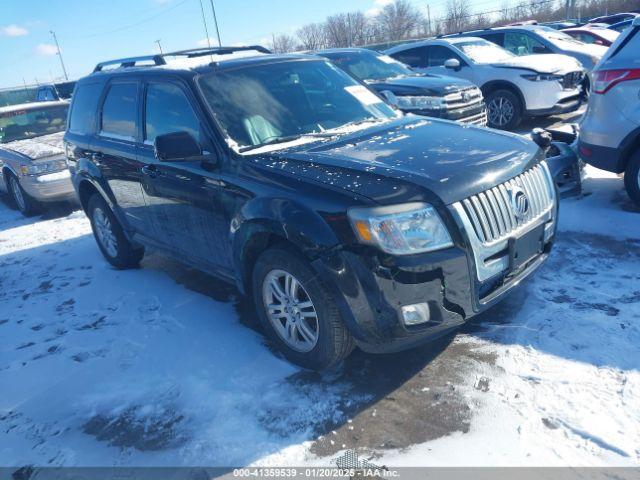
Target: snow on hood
38	147
547	63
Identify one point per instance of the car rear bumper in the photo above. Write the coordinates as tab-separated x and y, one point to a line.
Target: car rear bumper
604	158
52	187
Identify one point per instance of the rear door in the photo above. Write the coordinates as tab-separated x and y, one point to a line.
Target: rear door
436	55
116	153
182	196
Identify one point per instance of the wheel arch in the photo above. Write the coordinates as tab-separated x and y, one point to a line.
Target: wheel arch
494	85
629	146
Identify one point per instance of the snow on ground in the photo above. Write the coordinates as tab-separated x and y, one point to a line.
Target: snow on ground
161	366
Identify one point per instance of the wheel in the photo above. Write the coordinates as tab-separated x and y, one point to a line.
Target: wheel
297	310
504	110
21	200
632	178
113	243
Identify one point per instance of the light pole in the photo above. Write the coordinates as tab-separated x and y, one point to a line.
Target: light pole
159	46
215	20
64	70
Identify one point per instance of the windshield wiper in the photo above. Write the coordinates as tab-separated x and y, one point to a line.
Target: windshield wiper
285	138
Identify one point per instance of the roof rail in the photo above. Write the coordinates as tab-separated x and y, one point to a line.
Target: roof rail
130	62
159	59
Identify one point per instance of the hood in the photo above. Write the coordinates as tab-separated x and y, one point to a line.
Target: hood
586	49
410	159
541	63
38	147
432	85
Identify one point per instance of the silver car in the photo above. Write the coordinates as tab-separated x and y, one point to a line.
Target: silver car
610	129
33	169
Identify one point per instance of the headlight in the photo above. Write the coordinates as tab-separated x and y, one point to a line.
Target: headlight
420	103
41	168
542	77
401	229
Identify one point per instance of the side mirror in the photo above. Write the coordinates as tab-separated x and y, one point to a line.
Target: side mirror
176	146
453	64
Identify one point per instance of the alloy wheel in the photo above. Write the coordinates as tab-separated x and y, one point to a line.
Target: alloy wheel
17	194
104	232
501	111
290	310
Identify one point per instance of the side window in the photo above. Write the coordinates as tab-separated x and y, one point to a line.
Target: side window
414	57
516	43
497	38
119	111
536	46
437	55
83	108
40	96
168	110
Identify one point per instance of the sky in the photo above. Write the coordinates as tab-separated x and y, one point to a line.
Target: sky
90	31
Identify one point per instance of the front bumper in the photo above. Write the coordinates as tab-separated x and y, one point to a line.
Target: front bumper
53	187
566	105
371	288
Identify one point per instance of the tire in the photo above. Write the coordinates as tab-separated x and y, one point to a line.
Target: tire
111	240
504	110
20	199
333	342
632	178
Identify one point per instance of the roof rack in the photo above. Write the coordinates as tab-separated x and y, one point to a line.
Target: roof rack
191	53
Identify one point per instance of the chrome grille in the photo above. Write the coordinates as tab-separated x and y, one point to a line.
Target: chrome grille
491	212
463	98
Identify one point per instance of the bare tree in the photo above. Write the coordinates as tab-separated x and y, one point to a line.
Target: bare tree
283	43
312	36
399	20
347	29
457	18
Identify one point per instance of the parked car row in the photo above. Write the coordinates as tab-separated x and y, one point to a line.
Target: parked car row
313	187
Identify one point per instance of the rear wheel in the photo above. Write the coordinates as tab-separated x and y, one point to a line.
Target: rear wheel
632	178
113	243
504	109
21	200
297	310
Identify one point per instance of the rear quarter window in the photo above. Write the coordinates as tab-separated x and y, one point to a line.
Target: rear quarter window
84	108
119	111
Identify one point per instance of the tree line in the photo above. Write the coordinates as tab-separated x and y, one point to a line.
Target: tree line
401	20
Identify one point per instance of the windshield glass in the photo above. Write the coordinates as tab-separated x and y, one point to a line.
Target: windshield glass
269	103
368	66
23	124
483	51
559	39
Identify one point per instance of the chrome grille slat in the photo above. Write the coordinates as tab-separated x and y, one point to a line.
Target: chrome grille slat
491	212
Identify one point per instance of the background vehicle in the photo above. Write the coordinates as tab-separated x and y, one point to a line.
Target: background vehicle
345	220
55	91
610	129
33	168
513	86
614	18
424	94
620	26
538	39
597	36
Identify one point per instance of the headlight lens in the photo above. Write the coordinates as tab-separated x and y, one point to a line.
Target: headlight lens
41	168
420	103
542	77
401	229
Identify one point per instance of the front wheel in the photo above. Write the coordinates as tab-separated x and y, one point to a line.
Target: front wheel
298	312
504	110
27	205
632	178
113	243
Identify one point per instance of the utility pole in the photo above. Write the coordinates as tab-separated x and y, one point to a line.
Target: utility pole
159	46
215	20
429	19
64	70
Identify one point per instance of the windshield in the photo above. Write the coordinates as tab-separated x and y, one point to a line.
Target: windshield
559	39
483	51
23	124
269	103
368	66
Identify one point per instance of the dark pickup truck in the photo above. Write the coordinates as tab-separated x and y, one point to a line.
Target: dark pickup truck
347	222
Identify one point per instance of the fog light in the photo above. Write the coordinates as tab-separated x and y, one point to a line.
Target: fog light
415	314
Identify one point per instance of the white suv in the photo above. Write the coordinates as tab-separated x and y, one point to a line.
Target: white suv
610	129
513	86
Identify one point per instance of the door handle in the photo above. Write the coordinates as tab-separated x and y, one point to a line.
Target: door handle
150	170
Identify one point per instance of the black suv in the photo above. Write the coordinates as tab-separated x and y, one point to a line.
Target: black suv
423	94
348	222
